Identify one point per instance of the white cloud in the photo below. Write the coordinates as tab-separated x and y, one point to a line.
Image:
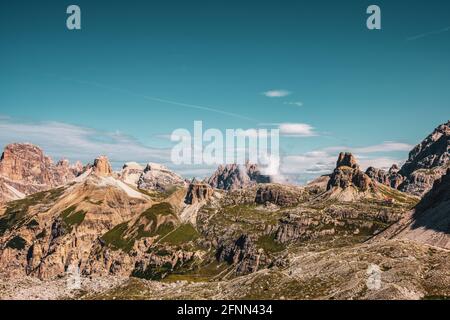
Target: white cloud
387	146
310	162
295	103
276	93
61	140
297	129
380	163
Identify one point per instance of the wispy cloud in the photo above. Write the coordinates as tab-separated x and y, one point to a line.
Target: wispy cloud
387	146
379	162
430	33
61	140
214	109
295	103
276	93
310	162
297	129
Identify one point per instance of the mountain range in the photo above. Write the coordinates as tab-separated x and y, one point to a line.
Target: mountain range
145	232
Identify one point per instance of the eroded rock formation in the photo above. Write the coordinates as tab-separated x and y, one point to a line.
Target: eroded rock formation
233	176
25	169
347	174
158	177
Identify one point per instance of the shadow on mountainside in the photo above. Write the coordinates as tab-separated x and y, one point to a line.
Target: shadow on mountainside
433	211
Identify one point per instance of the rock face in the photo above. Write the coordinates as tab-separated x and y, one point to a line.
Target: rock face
427	162
347	174
243	253
45	233
284	196
102	167
25	169
131	172
429	222
198	192
233	176
159	178
390	178
346	160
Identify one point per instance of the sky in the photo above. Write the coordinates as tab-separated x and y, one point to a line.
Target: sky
137	70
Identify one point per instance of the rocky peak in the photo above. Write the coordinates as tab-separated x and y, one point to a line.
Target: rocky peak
427	162
233	176
347	174
198	192
390	178
102	167
25	169
379	175
131	172
77	168
26	163
433	151
394	169
158	177
346	159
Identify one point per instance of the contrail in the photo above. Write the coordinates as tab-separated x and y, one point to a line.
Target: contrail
176	103
426	34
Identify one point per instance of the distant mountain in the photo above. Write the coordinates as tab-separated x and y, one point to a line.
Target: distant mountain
44	233
25	169
349	183
427	162
149	223
157	177
391	178
233	176
131	172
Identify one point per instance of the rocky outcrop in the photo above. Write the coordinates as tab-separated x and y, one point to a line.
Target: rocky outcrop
25	169
57	228
427	162
280	195
102	167
131	173
395	178
294	227
242	253
233	176
429	222
198	192
157	177
390	178
347	174
346	159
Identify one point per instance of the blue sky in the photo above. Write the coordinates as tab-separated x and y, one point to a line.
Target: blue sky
140	69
